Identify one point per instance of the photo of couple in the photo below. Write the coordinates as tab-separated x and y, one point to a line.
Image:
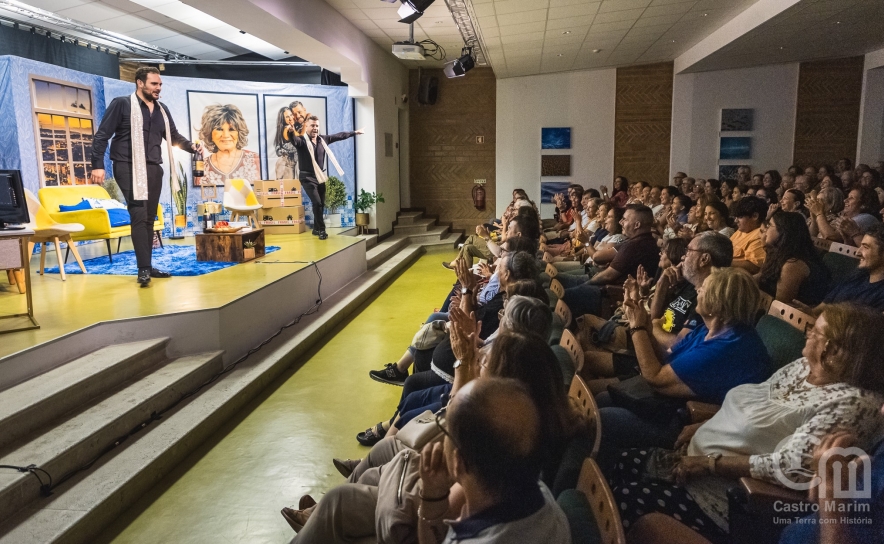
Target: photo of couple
284	117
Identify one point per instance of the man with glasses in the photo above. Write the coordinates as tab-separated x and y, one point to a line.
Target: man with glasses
492	449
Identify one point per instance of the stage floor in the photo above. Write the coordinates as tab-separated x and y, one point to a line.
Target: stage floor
62	307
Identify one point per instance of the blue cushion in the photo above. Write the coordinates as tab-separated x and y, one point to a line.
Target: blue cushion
118	218
82	205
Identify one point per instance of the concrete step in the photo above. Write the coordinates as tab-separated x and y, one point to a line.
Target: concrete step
81	508
385	250
432	235
75	441
408	218
28	406
419	226
449	240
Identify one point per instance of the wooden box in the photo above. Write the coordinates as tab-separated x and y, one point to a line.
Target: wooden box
297	228
228	247
281	192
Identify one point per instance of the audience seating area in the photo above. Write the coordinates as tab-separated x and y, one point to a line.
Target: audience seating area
651	351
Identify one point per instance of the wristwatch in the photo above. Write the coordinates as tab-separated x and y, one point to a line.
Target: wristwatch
466	291
713	460
457	363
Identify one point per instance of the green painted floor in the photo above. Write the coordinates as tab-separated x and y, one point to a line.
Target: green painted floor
232	488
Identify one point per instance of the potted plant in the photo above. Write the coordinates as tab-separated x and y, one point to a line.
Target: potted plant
180	198
364	202
248	251
335	198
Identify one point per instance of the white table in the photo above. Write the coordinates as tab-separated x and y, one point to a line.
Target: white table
14	256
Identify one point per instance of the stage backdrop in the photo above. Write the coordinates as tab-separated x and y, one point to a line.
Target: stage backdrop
18	145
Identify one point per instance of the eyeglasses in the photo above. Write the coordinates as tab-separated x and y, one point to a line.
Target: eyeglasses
440	422
813	332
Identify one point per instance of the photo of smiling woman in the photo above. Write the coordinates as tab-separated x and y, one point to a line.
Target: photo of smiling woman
225	135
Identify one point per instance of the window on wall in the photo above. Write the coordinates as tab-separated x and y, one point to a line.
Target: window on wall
64	132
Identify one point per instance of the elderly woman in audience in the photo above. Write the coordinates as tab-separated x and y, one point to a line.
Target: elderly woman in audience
717	218
766	431
750	213
721	353
603	250
793	268
831	205
830	180
859	206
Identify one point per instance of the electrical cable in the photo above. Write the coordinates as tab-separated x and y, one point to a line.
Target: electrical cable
46	488
434	51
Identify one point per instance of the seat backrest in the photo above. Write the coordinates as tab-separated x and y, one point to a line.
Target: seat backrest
601	501
840	264
39	216
793	316
582	397
822	244
844	249
238	192
548	258
574	349
52	197
563	312
783	341
551	270
556	287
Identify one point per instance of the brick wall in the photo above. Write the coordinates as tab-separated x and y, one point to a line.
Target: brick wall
827	114
444	155
643	122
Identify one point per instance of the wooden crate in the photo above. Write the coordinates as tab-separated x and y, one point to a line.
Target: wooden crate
228	247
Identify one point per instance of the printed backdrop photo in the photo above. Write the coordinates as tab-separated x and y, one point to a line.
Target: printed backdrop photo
281	112
227	125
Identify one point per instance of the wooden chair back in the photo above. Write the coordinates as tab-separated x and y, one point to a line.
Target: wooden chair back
601	500
563	312
822	244
582	397
764	303
556	287
798	319
543	246
548	258
844	249
573	347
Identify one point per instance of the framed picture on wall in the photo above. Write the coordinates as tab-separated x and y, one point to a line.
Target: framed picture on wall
555	138
227	126
548	189
737	120
284	117
728	172
555	165
735	148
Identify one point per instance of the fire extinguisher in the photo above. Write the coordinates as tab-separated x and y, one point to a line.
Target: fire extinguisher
479	197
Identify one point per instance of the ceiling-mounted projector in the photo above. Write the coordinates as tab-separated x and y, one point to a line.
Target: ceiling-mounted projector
408	51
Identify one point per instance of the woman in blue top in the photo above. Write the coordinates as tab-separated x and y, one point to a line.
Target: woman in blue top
720	354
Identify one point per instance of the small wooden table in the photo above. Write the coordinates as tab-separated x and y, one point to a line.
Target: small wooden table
228	247
14	256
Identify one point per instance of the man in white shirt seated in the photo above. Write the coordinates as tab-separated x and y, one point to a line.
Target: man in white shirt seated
492	450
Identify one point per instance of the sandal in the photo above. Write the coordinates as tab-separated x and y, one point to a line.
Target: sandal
371	436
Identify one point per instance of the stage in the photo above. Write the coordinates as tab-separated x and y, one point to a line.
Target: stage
231	309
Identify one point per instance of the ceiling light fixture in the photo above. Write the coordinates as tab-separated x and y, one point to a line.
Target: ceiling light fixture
596	50
412	10
459	67
566	32
559	55
705	14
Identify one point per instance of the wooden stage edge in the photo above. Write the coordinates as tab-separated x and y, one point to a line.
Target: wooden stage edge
231	310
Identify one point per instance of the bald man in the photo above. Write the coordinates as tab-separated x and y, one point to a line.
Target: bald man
492	450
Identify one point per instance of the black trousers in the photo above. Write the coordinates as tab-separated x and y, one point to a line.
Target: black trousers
142	213
316	192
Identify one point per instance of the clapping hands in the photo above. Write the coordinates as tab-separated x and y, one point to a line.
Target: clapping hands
464	335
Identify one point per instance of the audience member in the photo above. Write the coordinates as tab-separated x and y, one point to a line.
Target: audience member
748	245
717	218
792	269
866	285
856	217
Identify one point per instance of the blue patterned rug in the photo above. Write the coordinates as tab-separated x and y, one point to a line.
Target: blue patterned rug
175	259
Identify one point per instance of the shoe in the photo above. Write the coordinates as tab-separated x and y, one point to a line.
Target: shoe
447	265
371	436
346	466
389	374
315	232
297	518
323	235
306	502
155	273
144	277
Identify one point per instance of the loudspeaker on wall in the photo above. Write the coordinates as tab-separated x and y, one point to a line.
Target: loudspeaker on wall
428	91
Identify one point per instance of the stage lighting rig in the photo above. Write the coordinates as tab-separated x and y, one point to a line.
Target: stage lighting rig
459	67
412	10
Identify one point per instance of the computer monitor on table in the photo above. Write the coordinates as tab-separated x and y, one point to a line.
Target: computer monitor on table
13	204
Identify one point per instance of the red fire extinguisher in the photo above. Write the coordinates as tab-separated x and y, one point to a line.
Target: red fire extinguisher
479	197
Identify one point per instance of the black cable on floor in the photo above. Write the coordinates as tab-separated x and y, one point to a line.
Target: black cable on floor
46	489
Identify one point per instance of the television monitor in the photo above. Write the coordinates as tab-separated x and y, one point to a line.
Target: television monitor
13	204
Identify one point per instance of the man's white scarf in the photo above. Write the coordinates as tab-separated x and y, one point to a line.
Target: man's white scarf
139	157
321	176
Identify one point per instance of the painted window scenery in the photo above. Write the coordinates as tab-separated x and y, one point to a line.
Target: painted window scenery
64	132
555	138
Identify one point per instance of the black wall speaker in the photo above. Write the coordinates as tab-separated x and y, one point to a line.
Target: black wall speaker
428	91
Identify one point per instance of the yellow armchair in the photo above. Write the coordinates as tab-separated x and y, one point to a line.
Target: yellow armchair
96	222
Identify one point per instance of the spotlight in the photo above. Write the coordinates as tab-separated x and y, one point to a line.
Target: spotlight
459	67
411	10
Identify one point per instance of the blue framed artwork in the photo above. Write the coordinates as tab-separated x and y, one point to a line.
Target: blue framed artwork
555	138
548	189
733	120
735	148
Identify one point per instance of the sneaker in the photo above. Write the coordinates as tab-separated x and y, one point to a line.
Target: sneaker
144	277
155	273
447	265
389	374
315	232
371	436
323	235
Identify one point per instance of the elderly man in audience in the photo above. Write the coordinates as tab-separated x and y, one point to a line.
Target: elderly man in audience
767	431
492	449
583	294
748	245
804	183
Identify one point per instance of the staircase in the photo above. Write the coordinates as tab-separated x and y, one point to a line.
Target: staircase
412	228
71	417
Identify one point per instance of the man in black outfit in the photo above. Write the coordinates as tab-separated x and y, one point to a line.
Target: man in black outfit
312	165
117	123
